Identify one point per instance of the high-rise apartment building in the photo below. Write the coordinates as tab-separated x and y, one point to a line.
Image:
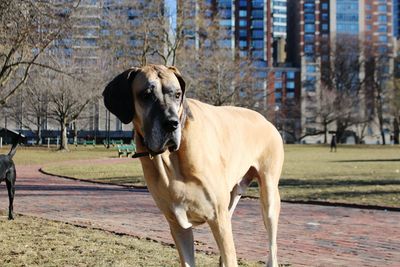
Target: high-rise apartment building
322	23
396	18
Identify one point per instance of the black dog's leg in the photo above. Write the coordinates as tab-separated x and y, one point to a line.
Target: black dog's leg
10	181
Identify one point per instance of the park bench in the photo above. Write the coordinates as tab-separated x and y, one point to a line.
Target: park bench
126	150
113	142
89	142
117	142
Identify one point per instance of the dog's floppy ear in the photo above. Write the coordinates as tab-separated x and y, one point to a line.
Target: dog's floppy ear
180	79
118	95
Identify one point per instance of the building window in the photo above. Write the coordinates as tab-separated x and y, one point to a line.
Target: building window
225	22
290	85
309	7
258	54
383	28
242	23
278	74
311	69
278	97
290	95
257	3
257	14
242	13
382	49
261	74
309	28
278	85
310	87
382	18
324	27
257	23
242	33
257	44
382	8
383	38
311	79
243	53
242	44
310	130
309	17
258	34
309	48
290	75
309	37
310	119
324	6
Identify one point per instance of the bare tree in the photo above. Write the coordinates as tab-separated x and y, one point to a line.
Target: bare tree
339	96
27	29
215	74
377	84
151	33
68	97
395	103
29	107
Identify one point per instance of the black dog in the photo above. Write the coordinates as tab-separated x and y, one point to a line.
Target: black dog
7	173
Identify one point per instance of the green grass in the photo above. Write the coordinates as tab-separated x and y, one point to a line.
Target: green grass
29	241
368	175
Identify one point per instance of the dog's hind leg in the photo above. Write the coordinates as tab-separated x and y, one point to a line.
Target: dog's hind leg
10	182
239	189
270	205
184	243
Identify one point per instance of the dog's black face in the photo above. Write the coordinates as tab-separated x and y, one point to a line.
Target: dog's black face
156	96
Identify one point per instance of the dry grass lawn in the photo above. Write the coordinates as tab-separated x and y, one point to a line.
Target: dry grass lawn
29	241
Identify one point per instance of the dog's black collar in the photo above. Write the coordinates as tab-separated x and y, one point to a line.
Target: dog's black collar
146	154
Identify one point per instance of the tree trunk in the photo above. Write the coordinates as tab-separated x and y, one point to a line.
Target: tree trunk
39	131
381	130
325	132
75	133
340	129
64	138
380	116
396	130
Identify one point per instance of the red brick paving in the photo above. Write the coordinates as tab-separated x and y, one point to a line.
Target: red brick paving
309	235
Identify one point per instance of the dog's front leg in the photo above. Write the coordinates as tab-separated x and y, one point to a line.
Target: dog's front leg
221	228
184	243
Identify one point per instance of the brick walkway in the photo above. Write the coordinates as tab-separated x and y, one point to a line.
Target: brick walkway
309	235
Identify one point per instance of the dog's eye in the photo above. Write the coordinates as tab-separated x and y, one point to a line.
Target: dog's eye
147	93
178	95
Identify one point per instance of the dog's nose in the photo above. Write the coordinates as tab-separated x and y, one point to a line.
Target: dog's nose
171	125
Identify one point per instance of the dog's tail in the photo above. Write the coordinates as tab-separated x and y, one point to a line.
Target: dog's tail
14	146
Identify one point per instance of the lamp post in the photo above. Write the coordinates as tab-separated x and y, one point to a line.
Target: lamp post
108	127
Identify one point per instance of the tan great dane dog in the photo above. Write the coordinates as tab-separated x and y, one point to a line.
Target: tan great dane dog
202	158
